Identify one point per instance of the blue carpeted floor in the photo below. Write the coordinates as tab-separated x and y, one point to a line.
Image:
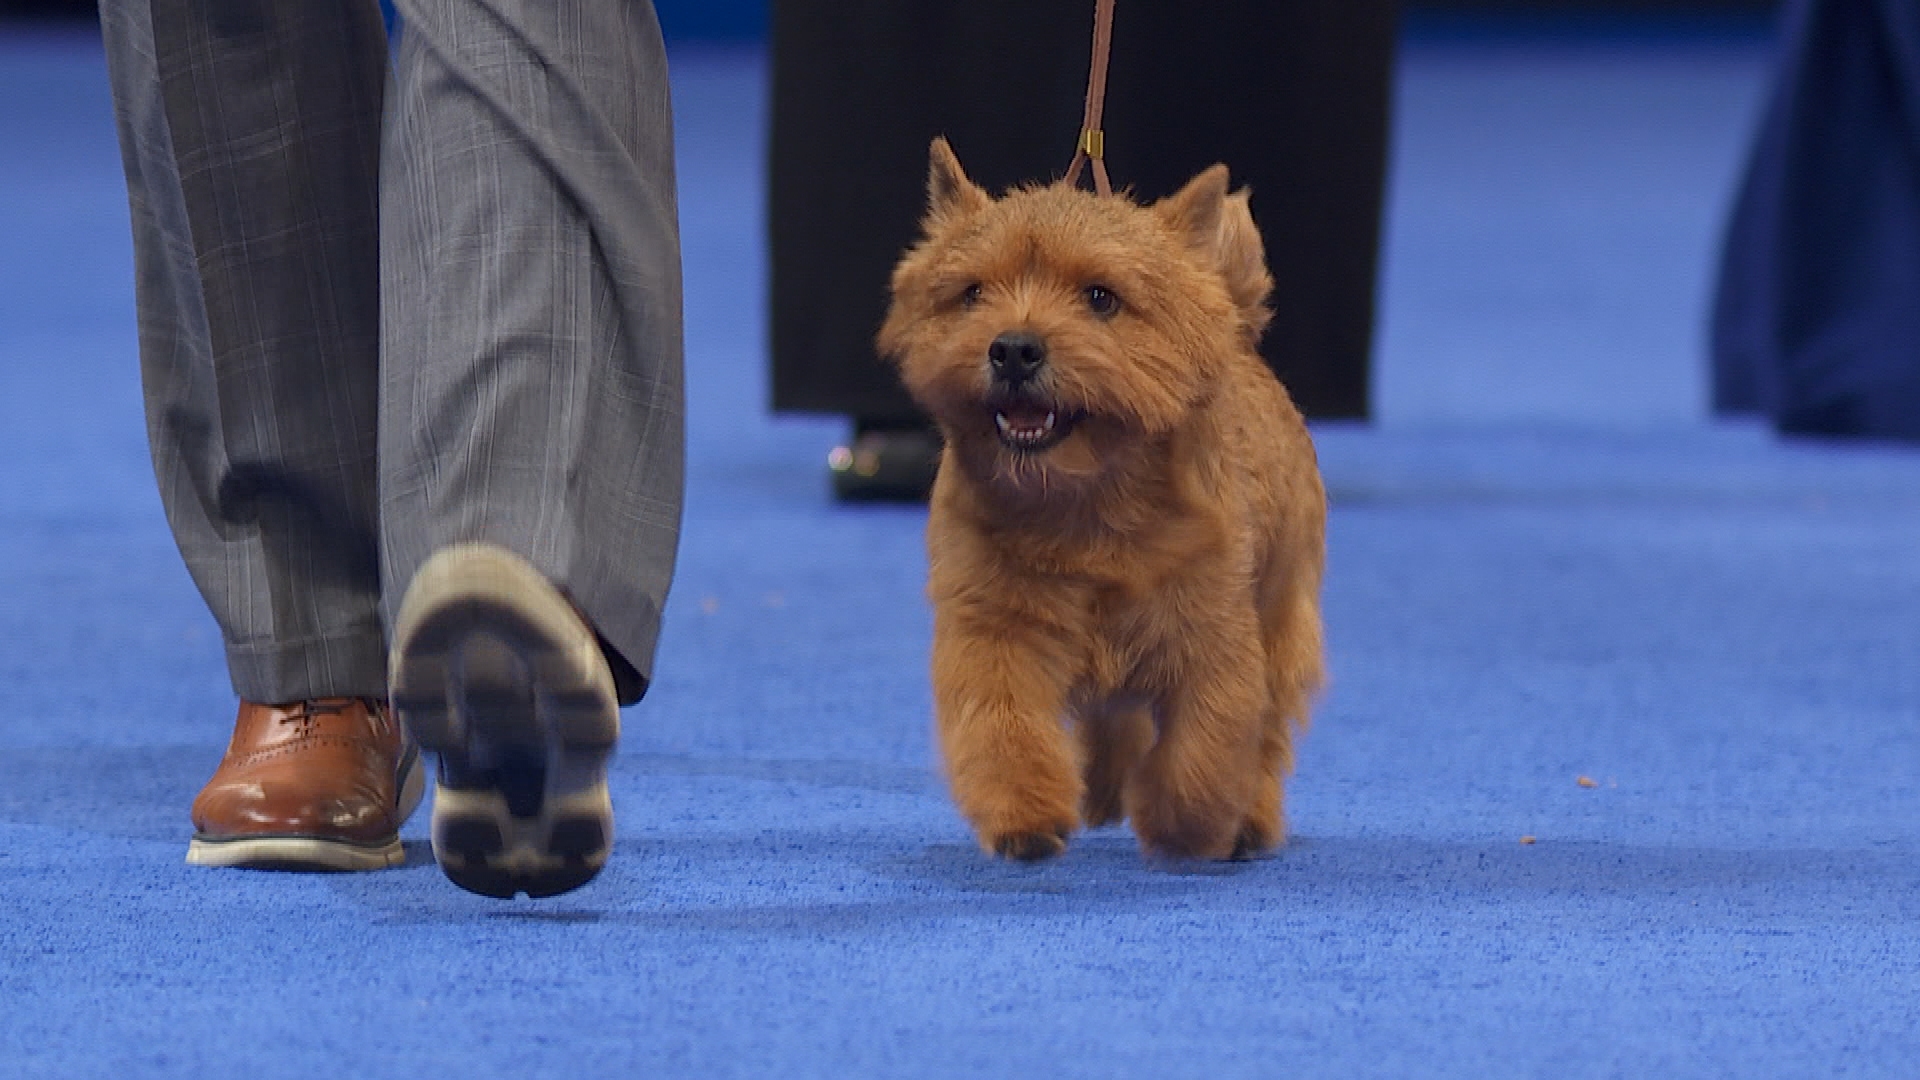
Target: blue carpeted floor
1545	565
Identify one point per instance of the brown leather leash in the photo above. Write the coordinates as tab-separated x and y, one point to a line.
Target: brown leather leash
1093	141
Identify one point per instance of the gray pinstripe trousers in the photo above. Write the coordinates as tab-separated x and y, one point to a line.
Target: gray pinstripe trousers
382	310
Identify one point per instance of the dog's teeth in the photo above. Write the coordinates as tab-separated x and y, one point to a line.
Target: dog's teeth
1025	431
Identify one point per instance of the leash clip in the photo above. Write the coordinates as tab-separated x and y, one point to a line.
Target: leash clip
1092	145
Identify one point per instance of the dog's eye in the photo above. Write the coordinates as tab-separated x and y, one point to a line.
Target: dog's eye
1104	301
970	295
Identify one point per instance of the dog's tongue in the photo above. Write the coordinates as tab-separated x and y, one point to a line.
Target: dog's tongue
1025	418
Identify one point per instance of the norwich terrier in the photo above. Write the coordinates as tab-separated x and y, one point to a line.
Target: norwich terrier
1128	528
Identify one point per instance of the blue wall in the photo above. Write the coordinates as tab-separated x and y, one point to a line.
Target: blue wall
698	21
734	21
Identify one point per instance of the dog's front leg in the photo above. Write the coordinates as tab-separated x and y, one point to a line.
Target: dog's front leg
1198	783
1000	691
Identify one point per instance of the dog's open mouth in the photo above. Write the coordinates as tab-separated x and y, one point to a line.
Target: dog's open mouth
1032	428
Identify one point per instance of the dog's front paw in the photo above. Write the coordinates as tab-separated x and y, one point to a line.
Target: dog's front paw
1030	834
1028	846
1188	839
1266	826
1028	821
1185	828
1257	838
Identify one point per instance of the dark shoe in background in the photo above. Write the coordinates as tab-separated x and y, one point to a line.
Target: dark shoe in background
886	462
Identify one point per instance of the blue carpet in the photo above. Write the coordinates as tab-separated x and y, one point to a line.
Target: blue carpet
1544	565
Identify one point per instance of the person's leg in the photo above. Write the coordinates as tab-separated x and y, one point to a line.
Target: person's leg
249	132
1814	321
531	413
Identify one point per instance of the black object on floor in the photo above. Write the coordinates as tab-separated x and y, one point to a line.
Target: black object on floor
886	464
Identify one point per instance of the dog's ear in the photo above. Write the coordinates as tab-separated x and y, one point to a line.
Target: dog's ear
1243	262
1194	212
949	193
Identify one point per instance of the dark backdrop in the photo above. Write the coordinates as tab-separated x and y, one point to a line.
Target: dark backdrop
741	21
1292	95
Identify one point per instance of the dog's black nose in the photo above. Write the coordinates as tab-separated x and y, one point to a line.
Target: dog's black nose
1016	356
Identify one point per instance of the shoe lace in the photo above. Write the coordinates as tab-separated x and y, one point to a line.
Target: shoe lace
306	712
310	709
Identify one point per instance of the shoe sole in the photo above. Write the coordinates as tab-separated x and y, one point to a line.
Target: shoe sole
493	671
315	852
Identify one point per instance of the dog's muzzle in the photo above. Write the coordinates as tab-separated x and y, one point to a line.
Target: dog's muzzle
1025	417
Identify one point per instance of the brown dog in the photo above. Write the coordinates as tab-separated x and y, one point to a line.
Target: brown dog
1127	532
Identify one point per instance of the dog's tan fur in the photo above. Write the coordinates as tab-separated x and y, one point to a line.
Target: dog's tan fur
1126	624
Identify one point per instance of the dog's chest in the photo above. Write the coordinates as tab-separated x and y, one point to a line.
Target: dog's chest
1132	635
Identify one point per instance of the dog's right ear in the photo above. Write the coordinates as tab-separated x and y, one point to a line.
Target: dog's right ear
949	193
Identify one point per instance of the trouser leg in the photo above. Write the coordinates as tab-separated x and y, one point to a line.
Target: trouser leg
532	387
250	136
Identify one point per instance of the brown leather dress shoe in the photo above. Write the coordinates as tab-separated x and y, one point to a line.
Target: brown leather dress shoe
315	785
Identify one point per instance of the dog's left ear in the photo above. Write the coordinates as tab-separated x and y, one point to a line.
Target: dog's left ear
1194	212
1220	228
1243	262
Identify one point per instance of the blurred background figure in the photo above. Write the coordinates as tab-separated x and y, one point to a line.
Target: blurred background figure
1293	96
1817	321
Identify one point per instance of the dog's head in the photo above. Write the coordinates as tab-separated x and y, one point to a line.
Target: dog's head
1047	330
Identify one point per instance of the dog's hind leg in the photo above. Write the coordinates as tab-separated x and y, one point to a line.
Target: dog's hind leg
1114	737
1295	673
